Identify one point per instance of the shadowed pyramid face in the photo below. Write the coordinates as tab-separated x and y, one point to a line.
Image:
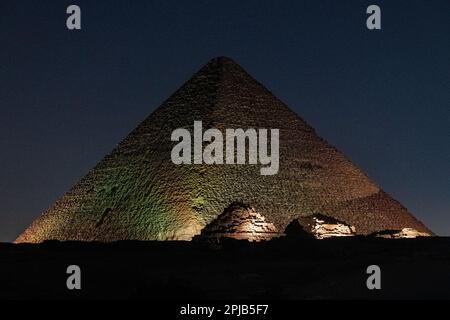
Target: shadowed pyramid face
137	192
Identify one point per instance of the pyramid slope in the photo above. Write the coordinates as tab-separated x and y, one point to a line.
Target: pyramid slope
136	192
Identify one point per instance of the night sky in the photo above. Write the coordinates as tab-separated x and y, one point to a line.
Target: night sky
68	97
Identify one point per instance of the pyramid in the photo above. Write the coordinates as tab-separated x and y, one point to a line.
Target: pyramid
137	192
322	226
242	223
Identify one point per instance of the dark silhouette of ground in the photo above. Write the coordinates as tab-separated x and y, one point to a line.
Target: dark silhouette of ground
284	268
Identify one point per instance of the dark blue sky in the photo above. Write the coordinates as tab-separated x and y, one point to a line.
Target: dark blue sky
68	97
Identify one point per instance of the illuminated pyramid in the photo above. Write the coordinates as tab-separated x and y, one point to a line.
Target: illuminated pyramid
136	192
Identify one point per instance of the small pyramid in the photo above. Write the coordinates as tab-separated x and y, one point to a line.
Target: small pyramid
241	222
136	192
322	226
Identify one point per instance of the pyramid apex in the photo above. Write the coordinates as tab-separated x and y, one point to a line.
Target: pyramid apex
222	60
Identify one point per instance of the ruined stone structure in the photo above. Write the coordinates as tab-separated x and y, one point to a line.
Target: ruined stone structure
321	227
136	192
404	233
240	222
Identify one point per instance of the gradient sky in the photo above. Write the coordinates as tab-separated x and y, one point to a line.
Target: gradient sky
68	97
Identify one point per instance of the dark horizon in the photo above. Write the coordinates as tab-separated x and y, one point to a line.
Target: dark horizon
68	97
